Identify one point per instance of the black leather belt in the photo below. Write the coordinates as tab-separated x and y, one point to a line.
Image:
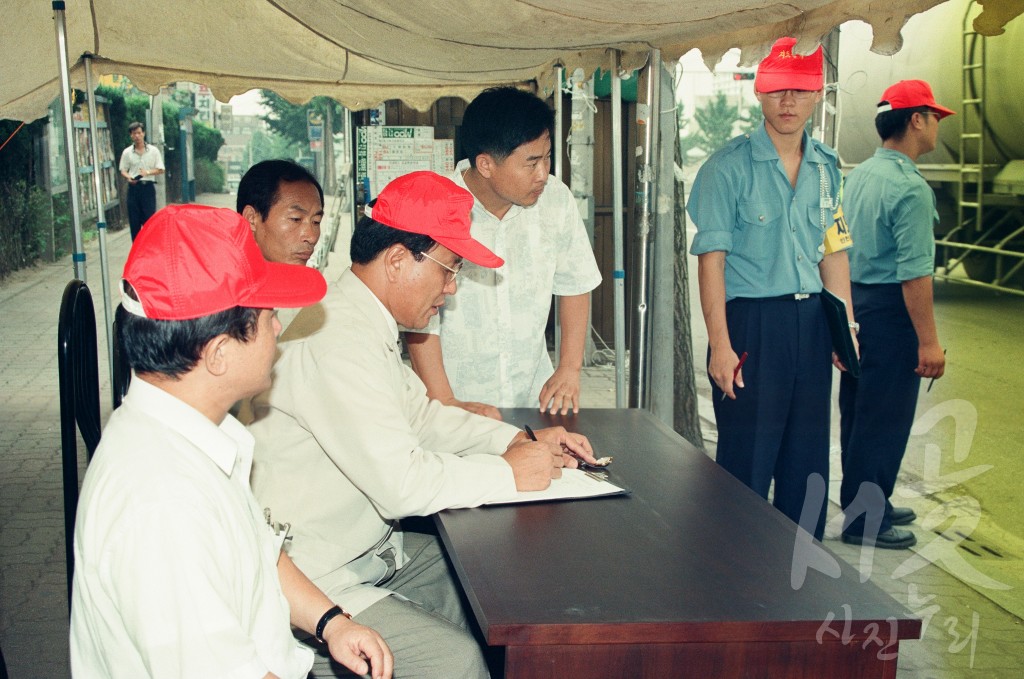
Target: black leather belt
798	296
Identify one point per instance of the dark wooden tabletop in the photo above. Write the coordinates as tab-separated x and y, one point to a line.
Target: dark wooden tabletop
690	555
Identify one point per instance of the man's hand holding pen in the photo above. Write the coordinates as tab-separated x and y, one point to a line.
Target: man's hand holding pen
537	457
726	369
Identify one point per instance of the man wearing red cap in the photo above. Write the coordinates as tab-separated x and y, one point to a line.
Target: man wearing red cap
178	572
766	242
350	424
891	211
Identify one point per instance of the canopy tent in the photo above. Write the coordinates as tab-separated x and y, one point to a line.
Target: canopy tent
362	52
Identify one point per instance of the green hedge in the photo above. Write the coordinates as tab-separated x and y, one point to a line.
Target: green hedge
33	226
209	176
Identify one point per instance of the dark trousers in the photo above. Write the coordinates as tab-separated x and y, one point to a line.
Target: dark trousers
877	411
141	205
778	426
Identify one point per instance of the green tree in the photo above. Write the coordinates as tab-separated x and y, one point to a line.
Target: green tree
716	120
289	120
206	142
270	145
25	212
688	139
752	118
209	176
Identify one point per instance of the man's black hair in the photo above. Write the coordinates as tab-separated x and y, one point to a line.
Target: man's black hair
135	126
502	119
173	348
260	185
893	124
371	238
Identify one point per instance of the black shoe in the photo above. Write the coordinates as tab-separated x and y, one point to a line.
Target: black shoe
901	516
894	538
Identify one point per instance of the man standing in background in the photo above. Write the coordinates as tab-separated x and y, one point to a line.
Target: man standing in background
891	212
140	164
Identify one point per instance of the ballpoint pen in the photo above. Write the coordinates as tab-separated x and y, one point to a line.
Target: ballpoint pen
601	464
933	379
736	371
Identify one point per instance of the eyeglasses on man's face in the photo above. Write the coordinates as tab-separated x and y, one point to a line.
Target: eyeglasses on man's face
799	95
453	271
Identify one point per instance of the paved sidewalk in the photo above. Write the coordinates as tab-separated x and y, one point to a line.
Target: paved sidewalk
965	635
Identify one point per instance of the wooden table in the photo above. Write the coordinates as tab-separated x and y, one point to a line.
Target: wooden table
690	575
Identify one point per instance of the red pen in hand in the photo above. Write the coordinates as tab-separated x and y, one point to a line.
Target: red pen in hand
736	371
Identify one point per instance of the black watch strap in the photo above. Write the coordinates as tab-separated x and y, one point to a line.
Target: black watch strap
331	613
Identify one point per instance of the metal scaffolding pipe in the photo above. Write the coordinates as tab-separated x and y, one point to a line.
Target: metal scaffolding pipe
350	159
619	273
101	213
647	119
78	256
557	151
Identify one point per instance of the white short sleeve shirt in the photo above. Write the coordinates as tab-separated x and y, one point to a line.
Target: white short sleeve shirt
492	329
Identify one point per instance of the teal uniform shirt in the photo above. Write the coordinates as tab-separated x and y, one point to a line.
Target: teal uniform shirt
773	235
891	212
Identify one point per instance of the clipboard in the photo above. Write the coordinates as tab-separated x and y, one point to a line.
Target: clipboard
839	328
575	484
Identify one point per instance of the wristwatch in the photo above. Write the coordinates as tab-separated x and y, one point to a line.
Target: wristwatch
332	612
854	326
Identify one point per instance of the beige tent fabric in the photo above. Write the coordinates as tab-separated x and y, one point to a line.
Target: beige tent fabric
362	52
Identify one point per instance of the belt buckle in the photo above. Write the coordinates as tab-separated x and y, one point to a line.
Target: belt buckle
801	295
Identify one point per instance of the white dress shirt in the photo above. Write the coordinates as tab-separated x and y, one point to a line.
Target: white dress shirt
492	329
175	565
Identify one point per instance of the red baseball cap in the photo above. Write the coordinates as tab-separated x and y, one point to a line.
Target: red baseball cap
427	203
190	261
784	70
911	94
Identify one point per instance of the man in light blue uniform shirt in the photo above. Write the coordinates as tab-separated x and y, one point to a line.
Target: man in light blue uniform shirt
891	212
763	206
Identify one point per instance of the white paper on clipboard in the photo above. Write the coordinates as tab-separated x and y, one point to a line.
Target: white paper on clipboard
574	484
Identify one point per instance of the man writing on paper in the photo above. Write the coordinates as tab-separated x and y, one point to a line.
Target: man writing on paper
348	423
762	206
178	573
892	211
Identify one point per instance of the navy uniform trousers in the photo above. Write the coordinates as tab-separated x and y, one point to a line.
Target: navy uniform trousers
778	426
141	203
877	410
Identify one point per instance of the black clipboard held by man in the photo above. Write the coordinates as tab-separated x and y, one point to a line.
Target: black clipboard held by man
839	328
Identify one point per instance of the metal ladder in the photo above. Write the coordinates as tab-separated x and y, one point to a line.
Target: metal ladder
971	237
971	203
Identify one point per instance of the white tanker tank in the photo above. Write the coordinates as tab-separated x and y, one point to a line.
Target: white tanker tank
933	51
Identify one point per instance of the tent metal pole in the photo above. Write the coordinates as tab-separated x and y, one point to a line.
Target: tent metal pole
557	141
647	118
350	158
557	150
619	274
101	213
78	256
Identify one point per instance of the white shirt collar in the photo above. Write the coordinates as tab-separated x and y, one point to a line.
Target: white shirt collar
224	444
